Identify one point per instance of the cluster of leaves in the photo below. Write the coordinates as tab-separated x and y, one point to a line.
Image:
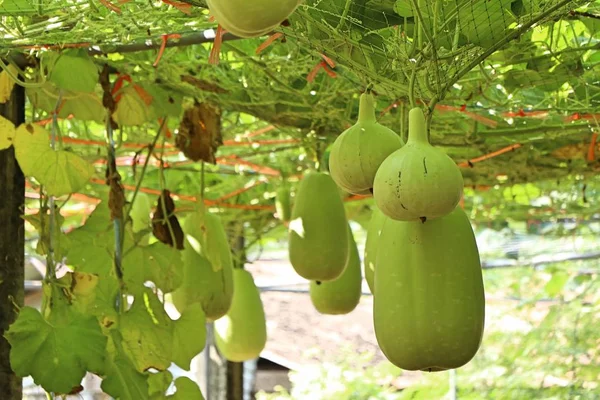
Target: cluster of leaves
87	325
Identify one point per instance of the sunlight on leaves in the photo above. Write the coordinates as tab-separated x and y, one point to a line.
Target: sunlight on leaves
61	172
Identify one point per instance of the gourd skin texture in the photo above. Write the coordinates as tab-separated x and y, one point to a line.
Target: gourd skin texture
341	295
251	18
212	288
359	151
317	249
241	335
371	245
417	182
429	306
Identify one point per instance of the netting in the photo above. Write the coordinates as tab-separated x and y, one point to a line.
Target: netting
514	85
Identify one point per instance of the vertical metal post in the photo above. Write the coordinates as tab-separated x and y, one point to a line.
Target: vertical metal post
453	395
235	371
12	244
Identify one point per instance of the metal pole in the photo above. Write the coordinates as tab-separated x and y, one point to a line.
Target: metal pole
12	244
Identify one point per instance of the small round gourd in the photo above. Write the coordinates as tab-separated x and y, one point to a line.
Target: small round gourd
419	181
251	18
359	151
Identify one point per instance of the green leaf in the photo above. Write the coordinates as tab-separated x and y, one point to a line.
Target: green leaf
159	383
147	333
131	109
158	263
189	335
165	103
484	23
556	284
123	381
186	390
18	7
41	223
7	133
57	354
82	105
403	8
61	172
74	70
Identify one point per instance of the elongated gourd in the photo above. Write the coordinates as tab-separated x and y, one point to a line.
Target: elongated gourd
318	230
241	334
206	282
251	18
359	151
283	203
371	245
417	182
429	304
341	295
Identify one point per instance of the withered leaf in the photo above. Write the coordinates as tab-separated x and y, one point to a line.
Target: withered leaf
160	225
199	134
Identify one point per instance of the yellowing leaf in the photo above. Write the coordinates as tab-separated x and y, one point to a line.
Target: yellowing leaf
61	172
6	84
7	131
131	109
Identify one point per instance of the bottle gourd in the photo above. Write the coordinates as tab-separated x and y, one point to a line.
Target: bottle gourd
318	248
241	335
251	18
341	295
419	181
359	151
207	266
429	303
371	244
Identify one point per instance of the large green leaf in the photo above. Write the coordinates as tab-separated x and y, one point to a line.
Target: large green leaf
85	106
147	333
7	133
186	390
56	353
61	172
189	335
74	70
484	23
123	381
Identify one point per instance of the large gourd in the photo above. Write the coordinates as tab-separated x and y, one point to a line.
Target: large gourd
371	245
429	303
418	182
207	266
359	151
318	230
341	295
241	335
251	18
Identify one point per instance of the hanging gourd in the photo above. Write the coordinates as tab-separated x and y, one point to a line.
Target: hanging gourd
318	230
419	181
359	151
429	303
251	18
341	295
371	244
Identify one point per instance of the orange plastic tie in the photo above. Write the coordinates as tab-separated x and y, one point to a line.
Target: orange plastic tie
111	6
215	52
270	40
183	7
493	154
591	156
163	46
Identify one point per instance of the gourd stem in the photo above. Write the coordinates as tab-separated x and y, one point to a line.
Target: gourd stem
417	127
366	109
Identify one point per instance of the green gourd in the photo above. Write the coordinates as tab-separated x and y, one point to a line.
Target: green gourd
318	230
206	282
251	18
283	203
429	306
371	245
419	181
241	334
341	295
359	151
